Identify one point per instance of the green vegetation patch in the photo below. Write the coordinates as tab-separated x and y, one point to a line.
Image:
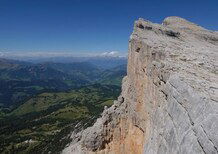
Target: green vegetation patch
43	123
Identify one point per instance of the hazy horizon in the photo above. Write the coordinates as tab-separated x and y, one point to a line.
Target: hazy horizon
56	54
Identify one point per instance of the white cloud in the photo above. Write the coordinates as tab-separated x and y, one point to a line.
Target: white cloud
113	54
110	54
1	54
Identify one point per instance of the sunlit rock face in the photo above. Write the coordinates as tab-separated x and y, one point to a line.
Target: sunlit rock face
169	99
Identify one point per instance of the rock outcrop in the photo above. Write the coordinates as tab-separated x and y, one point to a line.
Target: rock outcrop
169	99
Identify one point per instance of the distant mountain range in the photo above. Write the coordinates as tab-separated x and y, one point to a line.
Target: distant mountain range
42	102
103	60
20	80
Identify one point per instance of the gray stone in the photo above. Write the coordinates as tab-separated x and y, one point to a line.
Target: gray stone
169	99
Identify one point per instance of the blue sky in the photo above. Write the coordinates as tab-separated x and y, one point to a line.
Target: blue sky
88	26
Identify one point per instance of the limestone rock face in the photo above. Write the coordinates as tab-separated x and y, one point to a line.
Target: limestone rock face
169	99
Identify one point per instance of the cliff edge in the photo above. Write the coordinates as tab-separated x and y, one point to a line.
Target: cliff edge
169	99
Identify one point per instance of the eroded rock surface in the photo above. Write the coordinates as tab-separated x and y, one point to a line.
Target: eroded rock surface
169	99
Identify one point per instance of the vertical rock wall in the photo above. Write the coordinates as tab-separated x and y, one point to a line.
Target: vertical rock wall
169	100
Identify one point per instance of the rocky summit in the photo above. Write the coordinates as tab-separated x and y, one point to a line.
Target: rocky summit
169	99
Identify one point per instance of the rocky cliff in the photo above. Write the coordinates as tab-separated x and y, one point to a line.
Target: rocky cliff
169	99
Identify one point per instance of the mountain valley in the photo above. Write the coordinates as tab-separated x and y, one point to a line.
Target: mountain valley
42	103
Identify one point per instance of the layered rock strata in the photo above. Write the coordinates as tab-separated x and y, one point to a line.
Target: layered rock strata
169	99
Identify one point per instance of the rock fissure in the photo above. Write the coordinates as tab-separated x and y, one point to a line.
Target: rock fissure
201	146
189	117
209	139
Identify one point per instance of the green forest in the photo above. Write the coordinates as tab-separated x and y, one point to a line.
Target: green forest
42	104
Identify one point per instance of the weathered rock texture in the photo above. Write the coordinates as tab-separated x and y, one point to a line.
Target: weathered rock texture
169	100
